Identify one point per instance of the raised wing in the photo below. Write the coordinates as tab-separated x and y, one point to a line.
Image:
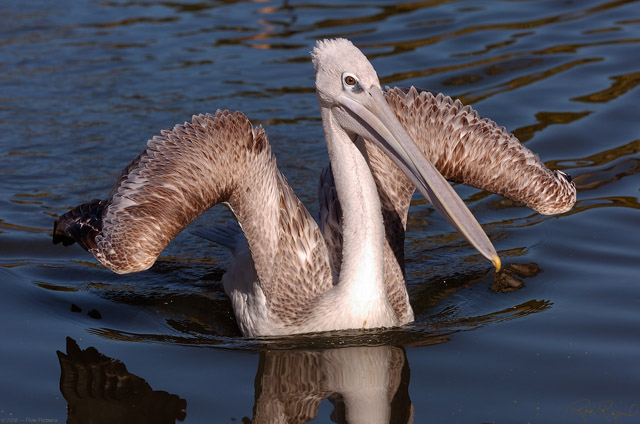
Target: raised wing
183	172
475	151
467	149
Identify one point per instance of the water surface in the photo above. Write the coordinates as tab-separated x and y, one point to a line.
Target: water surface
554	338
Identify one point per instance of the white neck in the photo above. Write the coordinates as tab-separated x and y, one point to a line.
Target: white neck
361	281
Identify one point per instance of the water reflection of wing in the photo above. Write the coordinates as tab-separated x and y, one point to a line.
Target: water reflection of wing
288	386
99	389
365	385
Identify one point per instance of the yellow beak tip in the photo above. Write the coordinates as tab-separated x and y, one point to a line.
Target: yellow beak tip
496	262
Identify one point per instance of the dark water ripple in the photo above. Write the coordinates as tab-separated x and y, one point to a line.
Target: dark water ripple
552	338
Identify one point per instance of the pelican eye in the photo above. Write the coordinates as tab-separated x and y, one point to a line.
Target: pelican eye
350	82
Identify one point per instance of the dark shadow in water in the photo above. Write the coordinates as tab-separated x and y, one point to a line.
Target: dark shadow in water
99	389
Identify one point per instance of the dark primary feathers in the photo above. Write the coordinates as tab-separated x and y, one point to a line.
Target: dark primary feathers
81	224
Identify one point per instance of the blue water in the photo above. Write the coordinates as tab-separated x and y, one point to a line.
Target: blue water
84	84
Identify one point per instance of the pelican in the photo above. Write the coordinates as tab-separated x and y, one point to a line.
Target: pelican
290	274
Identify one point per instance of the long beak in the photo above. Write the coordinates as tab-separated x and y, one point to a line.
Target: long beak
387	132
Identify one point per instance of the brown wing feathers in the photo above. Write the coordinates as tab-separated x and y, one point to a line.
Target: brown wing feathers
178	176
475	151
182	173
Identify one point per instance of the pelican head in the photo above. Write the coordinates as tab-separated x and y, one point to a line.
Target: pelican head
337	60
349	93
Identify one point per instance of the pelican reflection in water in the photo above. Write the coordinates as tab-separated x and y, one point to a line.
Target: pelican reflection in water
364	384
290	274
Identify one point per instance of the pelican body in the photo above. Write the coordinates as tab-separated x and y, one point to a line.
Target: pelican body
291	274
